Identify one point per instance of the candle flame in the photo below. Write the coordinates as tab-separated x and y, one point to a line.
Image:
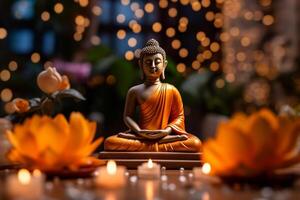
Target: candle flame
37	173
24	176
150	163
206	168
111	167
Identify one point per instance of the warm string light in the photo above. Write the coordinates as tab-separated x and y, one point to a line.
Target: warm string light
35	57
208	50
45	16
3	33
208	47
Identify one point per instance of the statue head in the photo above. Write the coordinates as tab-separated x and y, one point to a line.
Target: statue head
153	60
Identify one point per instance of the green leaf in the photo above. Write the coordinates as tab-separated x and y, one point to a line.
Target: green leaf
194	83
70	93
104	64
125	74
35	105
98	53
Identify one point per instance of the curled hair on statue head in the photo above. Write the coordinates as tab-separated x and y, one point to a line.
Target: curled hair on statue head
152	47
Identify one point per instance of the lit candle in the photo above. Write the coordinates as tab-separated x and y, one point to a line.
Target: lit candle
203	174
25	185
149	170
111	175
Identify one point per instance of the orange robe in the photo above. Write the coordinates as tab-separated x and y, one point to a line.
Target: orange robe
164	108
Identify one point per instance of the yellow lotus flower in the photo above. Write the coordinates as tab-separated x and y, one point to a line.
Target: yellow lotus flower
248	146
51	144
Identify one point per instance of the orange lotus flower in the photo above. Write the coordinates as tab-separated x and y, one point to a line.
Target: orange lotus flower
20	105
51	144
248	146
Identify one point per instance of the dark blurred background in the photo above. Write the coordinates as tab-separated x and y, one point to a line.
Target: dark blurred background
224	55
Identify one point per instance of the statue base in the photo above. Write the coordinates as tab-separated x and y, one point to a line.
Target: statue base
170	160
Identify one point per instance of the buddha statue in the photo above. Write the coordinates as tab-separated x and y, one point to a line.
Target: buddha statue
161	125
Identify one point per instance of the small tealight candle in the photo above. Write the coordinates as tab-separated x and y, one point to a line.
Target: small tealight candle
149	170
26	185
111	175
202	173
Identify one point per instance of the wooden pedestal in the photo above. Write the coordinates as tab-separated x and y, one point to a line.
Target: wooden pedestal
170	160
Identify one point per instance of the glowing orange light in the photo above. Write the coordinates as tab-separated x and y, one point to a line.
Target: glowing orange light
134	6
196	65
136	28
205	3
95	40
58	8
241	56
245	41
196	6
184	2
214	47
207	54
206	168
172	12
200	36
13	65
121	18
45	16
183	52
83	3
35	57
125	2
3	33
121	34
170	32
181	67
214	66
5	75
234	31
129	55
205	42
218	23
111	79
157	27
220	83
139	13
24	176
97	10
77	37
210	16
6	95
176	44
149	7
224	37
37	173
268	20
79	20
163	3
132	42
150	163
230	77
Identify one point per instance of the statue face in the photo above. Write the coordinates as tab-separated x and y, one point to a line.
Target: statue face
153	65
